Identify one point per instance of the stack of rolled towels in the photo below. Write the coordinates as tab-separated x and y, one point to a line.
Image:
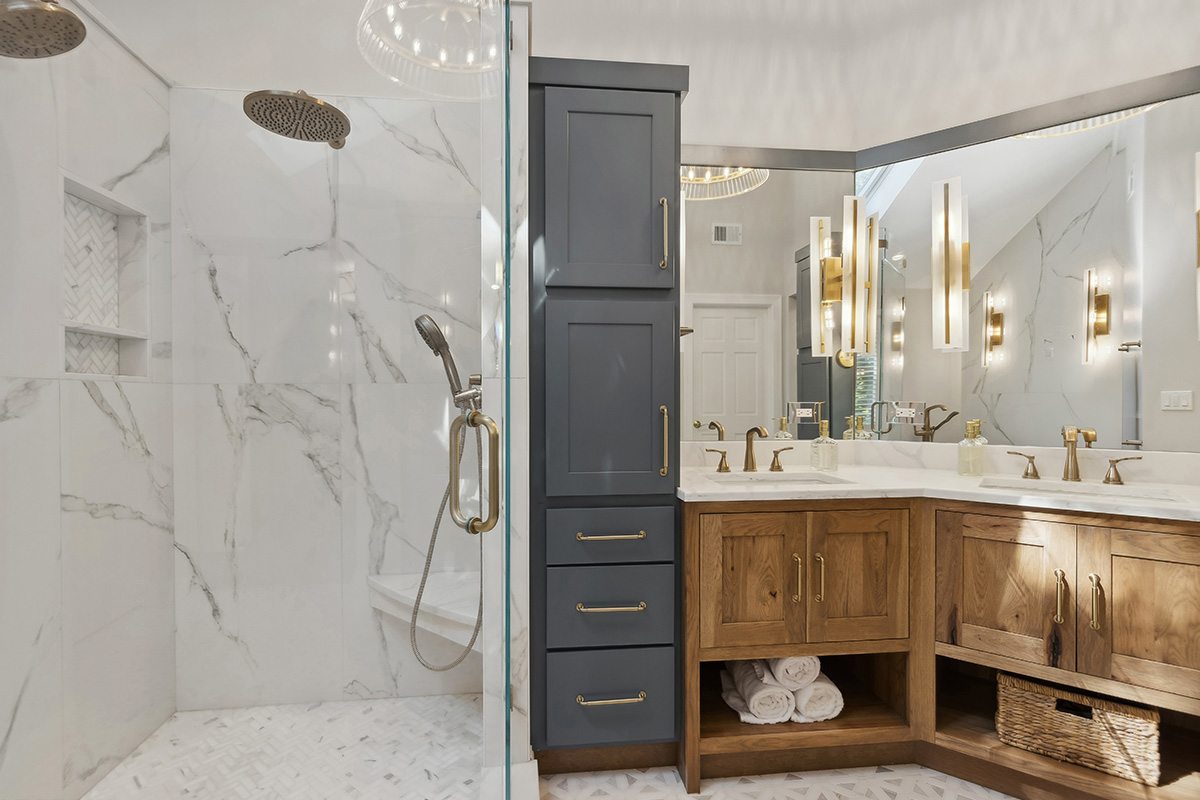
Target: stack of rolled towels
770	690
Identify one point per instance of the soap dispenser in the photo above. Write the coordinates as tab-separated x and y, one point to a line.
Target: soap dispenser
860	431
783	432
824	450
970	452
848	434
979	431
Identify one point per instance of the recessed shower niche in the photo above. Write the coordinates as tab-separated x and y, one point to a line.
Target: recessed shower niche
106	315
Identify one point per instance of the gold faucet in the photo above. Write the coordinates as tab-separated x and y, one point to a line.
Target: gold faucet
1071	435
926	433
748	465
713	426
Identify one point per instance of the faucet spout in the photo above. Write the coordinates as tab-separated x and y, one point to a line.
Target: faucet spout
749	464
926	433
719	428
1071	435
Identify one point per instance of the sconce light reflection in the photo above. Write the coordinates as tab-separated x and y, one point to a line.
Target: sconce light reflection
993	329
950	266
849	278
1095	316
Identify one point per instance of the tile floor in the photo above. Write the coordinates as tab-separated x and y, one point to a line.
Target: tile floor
426	748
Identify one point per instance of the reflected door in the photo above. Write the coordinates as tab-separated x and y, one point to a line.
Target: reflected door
734	367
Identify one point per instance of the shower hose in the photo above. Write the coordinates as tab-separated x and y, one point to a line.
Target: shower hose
412	628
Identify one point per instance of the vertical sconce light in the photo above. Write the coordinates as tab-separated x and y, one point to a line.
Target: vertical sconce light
1198	244
1095	316
993	328
951	264
850	279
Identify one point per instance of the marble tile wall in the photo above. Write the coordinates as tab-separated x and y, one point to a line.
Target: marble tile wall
86	484
311	420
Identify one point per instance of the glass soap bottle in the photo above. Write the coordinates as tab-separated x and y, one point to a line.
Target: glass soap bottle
848	434
860	432
979	437
970	452
824	451
783	432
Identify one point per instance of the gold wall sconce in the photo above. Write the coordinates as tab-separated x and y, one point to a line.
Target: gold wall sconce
950	266
849	278
1198	244
1096	316
993	330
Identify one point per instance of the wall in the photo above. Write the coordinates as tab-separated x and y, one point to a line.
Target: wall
311	421
86	488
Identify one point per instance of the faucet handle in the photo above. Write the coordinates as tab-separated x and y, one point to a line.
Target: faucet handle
724	465
775	465
1088	435
1113	475
1031	470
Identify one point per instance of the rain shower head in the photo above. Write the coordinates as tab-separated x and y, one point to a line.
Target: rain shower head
298	115
436	340
38	29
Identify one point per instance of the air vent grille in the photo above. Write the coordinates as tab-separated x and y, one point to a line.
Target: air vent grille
727	233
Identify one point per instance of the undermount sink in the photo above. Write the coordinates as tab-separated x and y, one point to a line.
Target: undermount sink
775	477
1084	489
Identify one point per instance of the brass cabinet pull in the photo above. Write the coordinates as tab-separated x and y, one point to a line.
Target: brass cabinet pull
1095	579
614	538
582	609
820	598
641	698
799	577
475	524
1060	579
662	201
666	440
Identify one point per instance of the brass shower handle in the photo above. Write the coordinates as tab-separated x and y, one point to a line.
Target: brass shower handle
476	525
662	201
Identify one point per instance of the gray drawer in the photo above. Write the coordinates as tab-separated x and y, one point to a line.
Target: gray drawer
610	587
610	675
571	532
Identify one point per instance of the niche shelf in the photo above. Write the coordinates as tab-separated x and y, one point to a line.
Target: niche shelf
106	286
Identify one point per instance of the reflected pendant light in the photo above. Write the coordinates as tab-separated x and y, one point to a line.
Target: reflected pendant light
950	265
1087	124
716	183
446	49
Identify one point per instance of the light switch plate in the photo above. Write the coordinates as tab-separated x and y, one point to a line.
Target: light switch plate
1176	401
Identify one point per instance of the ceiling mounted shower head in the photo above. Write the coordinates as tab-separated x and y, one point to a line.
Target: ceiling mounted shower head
298	115
38	29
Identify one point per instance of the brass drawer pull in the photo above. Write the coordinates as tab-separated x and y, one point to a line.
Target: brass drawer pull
1060	580
662	201
666	440
1095	579
799	577
641	698
615	538
820	598
582	609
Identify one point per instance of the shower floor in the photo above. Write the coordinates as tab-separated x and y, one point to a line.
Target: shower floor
413	747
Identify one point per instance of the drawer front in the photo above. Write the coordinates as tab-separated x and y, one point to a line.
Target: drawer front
610	675
597	535
623	587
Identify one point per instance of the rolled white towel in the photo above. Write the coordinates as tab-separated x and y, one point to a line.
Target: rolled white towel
763	702
791	673
818	701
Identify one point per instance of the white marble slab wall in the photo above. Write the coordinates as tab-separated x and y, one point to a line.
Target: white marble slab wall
312	421
86	486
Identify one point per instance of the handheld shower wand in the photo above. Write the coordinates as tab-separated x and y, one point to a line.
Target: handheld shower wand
433	336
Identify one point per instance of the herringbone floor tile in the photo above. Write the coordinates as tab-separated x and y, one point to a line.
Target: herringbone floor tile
418	748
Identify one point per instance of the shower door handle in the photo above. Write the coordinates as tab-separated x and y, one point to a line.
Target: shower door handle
475	524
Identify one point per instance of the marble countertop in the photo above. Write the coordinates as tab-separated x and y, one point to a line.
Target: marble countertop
1161	501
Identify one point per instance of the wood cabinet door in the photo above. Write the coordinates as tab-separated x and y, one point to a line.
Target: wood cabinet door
857	575
750	572
1006	586
1141	624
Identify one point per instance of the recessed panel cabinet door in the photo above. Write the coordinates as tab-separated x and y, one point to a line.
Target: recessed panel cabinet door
751	568
1007	586
1138	616
612	188
857	575
610	388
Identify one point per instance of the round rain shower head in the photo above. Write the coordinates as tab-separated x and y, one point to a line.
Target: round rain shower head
38	29
298	115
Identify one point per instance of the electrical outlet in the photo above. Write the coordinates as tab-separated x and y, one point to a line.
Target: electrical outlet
1176	401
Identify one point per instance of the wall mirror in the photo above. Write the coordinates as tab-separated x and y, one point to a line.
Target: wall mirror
1080	306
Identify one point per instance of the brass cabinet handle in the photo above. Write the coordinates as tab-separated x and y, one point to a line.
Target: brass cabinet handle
1095	579
475	524
662	201
820	598
641	698
799	577
666	440
582	609
614	538
1060	579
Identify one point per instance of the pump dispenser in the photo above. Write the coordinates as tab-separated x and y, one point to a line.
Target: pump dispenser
824	450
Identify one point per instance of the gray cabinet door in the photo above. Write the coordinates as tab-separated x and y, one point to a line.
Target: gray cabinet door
610	161
610	370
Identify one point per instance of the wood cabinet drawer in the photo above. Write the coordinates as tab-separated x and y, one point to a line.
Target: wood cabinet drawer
602	606
607	675
610	535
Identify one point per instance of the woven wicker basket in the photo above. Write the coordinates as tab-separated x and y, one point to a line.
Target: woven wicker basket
1112	737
